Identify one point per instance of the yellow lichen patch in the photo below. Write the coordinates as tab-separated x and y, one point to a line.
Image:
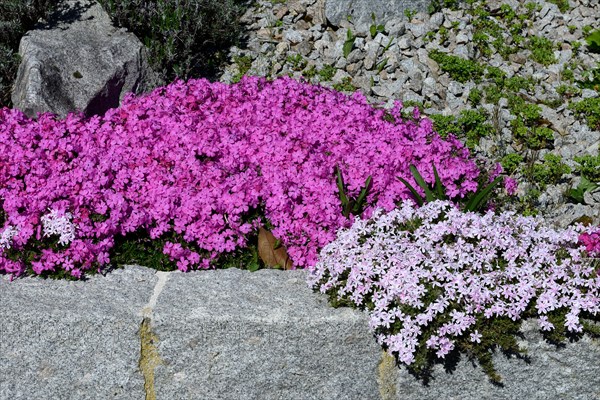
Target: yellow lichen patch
386	377
149	358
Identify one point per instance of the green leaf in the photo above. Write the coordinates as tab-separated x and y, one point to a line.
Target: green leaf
593	41
348	44
476	201
359	205
253	267
418	198
373	30
382	65
439	188
341	188
577	193
421	182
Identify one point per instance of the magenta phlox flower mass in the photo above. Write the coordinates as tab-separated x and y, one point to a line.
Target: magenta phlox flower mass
438	260
591	241
199	159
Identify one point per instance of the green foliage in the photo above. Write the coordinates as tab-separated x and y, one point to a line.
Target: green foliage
409	14
244	63
382	65
542	50
459	69
593	41
590	110
563	5
327	73
550	171
469	124
589	167
496	75
375	28
345	86
349	43
9	64
297	62
138	248
475	96
475	202
438	5
527	128
516	83
592	80
576	194
350	205
535	138
511	162
185	39
16	18
567	90
310	72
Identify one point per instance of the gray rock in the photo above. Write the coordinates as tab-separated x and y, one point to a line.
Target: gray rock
456	88
73	340
292	36
588	93
355	56
79	62
568	373
404	43
568	214
395	27
429	87
304	48
417	29
436	20
592	197
317	13
360	11
415	82
410	96
372	49
389	89
234	334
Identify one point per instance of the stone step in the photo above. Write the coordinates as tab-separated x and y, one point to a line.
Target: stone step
231	334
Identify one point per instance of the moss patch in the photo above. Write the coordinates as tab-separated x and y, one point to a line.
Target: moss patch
386	377
149	357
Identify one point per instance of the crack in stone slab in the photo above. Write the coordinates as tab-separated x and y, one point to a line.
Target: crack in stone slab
149	357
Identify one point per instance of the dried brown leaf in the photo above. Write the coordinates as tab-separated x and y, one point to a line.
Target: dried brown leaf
268	254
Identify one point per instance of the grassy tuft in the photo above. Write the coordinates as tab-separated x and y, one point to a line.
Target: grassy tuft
16	18
185	39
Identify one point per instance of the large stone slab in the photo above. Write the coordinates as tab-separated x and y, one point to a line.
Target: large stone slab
360	11
73	340
79	61
569	372
233	334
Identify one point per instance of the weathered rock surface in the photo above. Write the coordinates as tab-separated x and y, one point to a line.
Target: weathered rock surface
360	11
78	61
232	334
263	335
73	340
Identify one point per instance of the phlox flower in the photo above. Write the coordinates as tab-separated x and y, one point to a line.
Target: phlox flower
62	226
492	265
200	159
7	235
